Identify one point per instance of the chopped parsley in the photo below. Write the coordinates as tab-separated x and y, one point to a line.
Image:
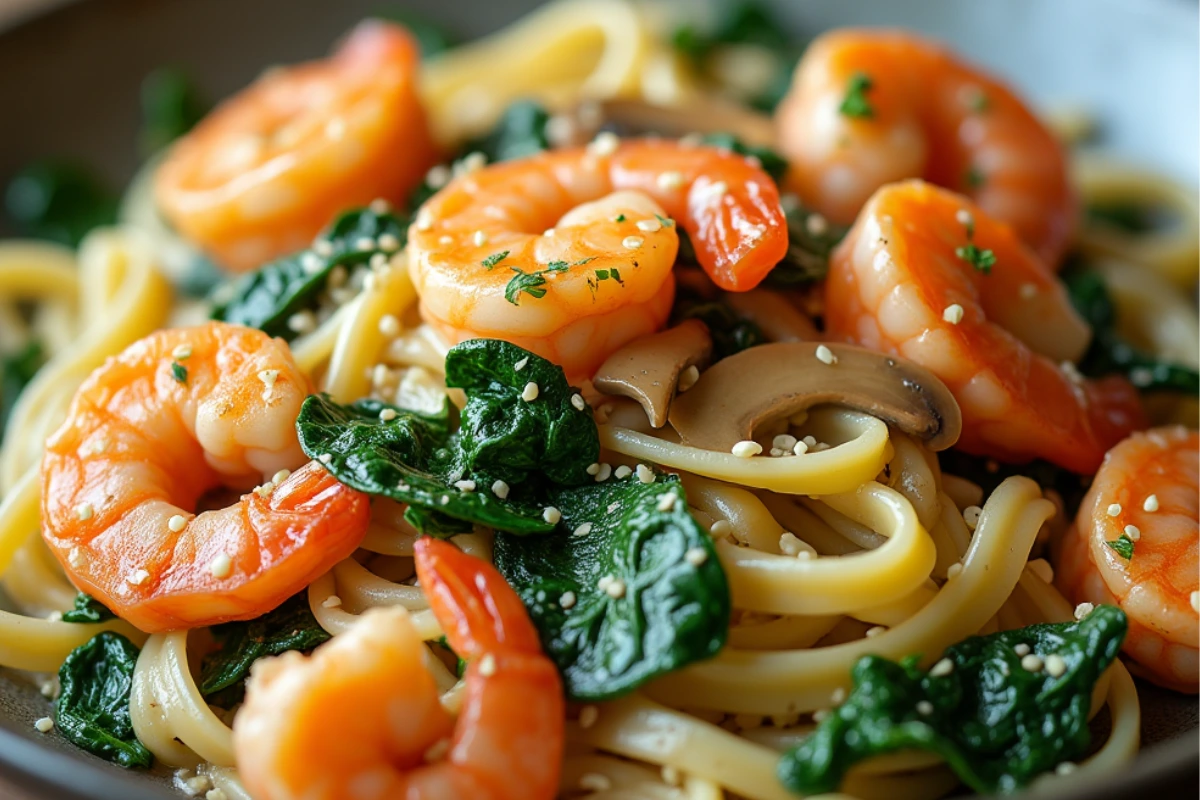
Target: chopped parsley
621	218
666	222
855	103
604	275
179	372
975	177
979	101
494	259
1122	546
981	259
530	283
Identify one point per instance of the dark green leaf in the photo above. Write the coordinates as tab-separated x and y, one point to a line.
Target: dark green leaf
672	607
431	37
772	163
87	609
730	333
811	240
268	297
414	458
530	283
1122	546
997	724
855	104
460	666
1109	353
92	710
1127	217
171	106
520	132
58	201
179	372
16	371
989	473
291	626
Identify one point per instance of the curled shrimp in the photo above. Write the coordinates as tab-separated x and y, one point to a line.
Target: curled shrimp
361	716
914	277
872	107
1146	491
173	417
592	232
271	166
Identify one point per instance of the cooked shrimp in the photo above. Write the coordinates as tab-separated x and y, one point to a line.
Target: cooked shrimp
270	167
592	230
360	718
173	417
909	279
1147	491
871	107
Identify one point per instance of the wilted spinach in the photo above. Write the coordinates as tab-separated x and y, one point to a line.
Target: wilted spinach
87	609
989	474
92	710
269	296
291	626
637	594
520	132
1109	353
745	23
431	37
730	333
171	106
414	458
811	240
996	722
58	201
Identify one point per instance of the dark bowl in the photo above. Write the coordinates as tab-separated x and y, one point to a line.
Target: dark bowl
69	83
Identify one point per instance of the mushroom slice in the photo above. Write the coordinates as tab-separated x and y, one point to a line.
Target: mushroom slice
648	369
740	393
778	319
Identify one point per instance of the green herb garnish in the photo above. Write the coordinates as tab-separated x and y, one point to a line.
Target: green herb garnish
59	202
855	103
981	260
494	259
974	177
92	710
179	372
621	218
16	371
996	721
171	106
1122	546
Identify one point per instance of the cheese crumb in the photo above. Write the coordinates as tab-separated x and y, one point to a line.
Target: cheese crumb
520	365
924	707
953	313
530	392
1065	768
942	668
137	577
465	486
500	489
971	516
388	414
1032	663
487	665
953	571
605	144
594	782
721	528
333	601
1133	532
1083	609
670	180
1022	649
1195	599
615	588
84	511
551	515
44	725
221	566
577	402
645	474
1056	665
177	523
567	600
649	225
874	631
479	238
583	530
632	242
622	472
696	556
825	355
1151	504
181	352
666	502
389	326
746	449
588	715
1114	510
604	473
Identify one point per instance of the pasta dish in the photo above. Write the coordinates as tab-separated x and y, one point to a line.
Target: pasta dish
607	407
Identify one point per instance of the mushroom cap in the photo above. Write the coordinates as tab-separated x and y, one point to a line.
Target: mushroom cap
648	369
761	384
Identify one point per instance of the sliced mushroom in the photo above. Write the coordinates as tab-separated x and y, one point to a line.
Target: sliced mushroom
778	319
709	115
648	369
737	395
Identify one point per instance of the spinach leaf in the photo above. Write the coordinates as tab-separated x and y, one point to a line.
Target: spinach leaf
520	132
989	474
638	595
58	201
772	163
87	609
414	458
16	371
997	722
431	37
1109	353
171	106
811	240
1127	217
291	626
745	22
460	665
268	297
92	710
730	333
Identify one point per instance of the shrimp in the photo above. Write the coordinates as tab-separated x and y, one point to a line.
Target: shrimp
270	167
909	279
1146	491
872	107
569	253
360	718
173	417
